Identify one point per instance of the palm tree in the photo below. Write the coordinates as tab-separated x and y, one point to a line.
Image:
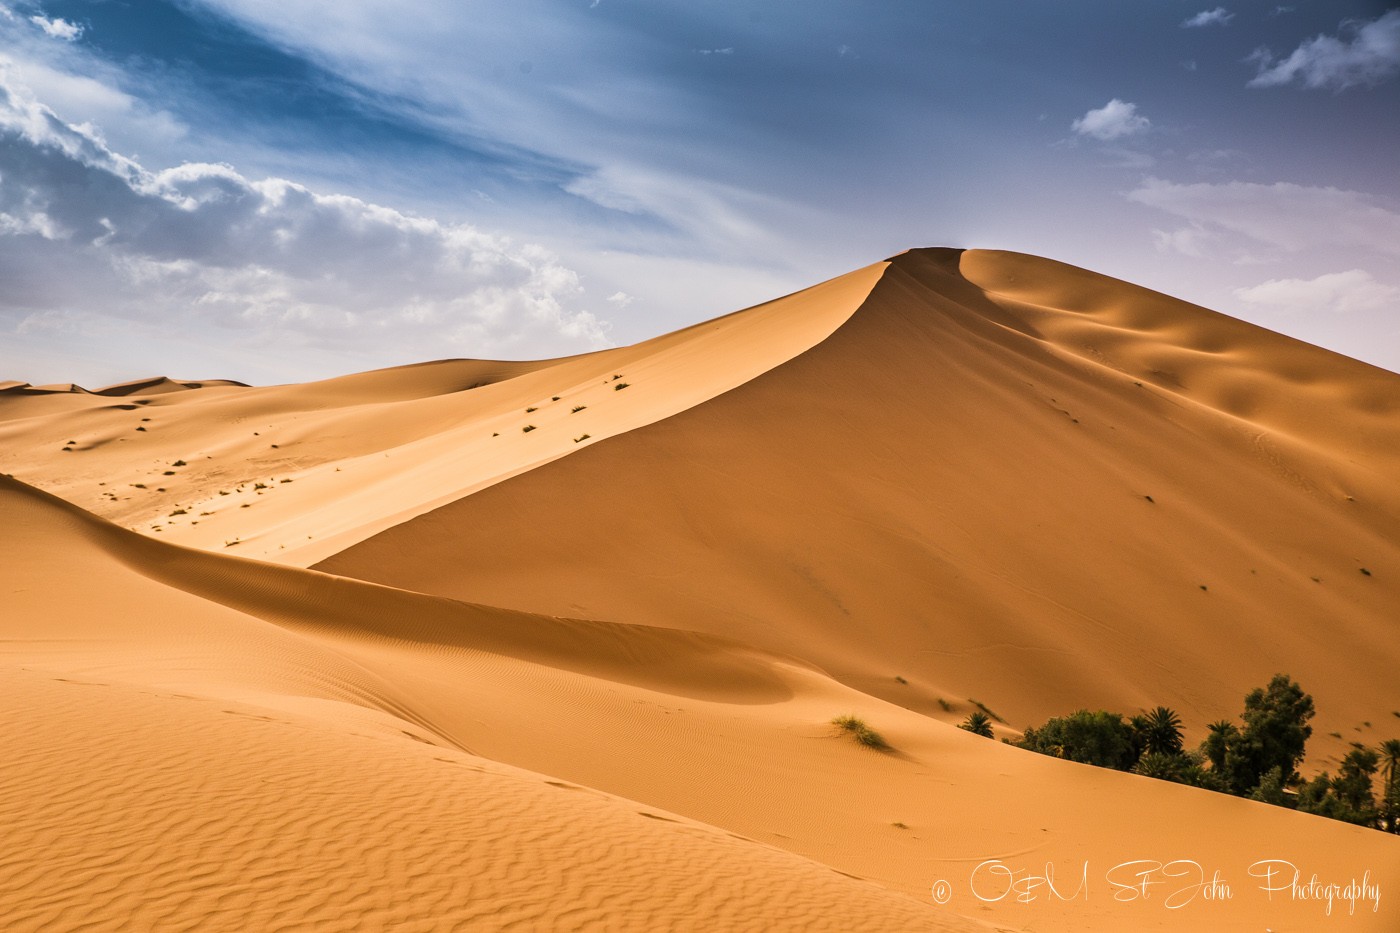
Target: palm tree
1390	786
1390	761
1163	766
1219	736
1162	732
978	723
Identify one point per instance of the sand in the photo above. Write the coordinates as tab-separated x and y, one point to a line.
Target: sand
537	684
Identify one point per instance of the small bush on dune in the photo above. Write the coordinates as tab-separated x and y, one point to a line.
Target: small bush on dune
984	708
863	733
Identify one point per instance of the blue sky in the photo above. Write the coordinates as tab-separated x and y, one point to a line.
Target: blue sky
284	190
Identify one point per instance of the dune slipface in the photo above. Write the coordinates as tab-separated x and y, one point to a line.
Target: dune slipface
582	676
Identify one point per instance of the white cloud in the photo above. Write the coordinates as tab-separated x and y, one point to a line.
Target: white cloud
727	50
57	28
94	101
1216	17
620	299
1370	56
87	231
1288	216
1114	120
1353	291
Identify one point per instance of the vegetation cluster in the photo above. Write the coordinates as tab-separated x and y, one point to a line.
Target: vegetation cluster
1256	757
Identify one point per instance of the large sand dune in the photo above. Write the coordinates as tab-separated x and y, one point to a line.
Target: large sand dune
1003	479
559	685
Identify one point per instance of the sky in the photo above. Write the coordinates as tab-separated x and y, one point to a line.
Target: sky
284	190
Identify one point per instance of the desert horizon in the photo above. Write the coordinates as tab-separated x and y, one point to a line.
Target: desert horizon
738	627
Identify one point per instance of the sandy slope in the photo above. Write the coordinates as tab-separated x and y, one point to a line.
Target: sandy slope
296	473
209	737
935	469
954	489
200	741
131	808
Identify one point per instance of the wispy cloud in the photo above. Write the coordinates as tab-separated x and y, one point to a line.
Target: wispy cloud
727	50
57	28
87	231
1368	56
1288	216
1216	17
1114	120
1188	241
1353	291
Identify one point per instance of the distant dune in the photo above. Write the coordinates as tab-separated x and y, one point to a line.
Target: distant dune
557	644
154	386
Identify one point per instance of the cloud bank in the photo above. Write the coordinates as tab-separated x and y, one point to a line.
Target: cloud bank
1370	56
87	233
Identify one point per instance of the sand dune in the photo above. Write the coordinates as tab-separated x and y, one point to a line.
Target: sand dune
348	457
1011	502
559	685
